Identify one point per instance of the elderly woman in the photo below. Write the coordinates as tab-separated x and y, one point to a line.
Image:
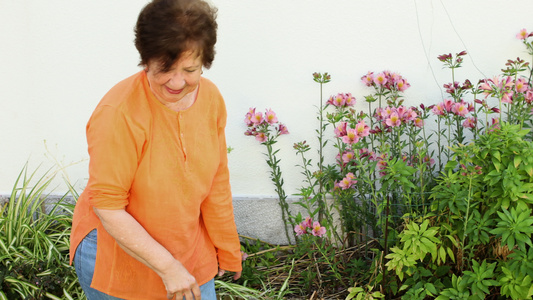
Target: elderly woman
156	218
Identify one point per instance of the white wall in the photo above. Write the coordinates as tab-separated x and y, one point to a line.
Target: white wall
59	57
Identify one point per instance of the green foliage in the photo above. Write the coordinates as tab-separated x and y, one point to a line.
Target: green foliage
34	237
359	293
458	290
515	285
480	279
514	228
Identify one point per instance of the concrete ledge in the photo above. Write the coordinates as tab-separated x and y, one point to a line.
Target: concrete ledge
255	216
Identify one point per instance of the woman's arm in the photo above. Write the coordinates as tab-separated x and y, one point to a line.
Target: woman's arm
136	241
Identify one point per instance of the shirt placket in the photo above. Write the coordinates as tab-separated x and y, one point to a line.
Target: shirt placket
181	136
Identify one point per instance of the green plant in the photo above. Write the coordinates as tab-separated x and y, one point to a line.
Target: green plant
34	238
514	228
363	293
480	279
515	285
458	290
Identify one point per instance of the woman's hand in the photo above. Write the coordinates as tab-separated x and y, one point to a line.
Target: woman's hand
180	283
136	241
235	277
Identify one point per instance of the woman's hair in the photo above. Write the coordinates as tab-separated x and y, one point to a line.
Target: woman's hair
167	28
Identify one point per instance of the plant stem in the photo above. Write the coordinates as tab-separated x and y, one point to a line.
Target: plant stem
278	182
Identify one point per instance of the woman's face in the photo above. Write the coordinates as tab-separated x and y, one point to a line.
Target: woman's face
182	79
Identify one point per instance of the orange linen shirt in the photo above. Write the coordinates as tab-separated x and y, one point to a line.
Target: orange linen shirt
169	171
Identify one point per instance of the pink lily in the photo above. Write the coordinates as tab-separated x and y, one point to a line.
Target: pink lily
351	136
271	117
318	230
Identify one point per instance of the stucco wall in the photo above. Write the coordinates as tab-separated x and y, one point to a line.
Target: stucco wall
59	57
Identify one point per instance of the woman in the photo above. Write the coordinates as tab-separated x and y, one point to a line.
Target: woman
156	218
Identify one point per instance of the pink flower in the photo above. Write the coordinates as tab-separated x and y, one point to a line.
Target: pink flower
386	112
529	97
368	79
495	125
248	116
507	97
402	85
347	156
362	129
401	110
419	122
270	117
282	129
351	136
257	118
380	79
448	105
261	137
318	230
337	101
308	222
347	181
300	229
486	87
445	57
349	100
460	109
340	129
438	109
410	115
470	122
394	120
521	85
522	35
429	160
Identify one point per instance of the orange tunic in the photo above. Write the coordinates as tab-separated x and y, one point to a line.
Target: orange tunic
169	171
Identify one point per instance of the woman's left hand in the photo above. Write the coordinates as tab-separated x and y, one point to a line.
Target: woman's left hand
235	277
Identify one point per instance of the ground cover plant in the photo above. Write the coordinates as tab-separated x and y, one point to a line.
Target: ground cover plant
424	212
34	242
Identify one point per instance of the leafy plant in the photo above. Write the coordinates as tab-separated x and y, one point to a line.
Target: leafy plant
34	237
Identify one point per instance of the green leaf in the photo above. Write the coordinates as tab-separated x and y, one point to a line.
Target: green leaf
517	161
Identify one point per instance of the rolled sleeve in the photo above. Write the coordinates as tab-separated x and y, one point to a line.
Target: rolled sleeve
114	150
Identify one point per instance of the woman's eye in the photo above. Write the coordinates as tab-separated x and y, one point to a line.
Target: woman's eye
190	70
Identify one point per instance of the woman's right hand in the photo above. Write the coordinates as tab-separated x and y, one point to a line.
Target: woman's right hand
179	283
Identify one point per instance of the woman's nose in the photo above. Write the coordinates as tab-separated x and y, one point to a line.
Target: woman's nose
177	80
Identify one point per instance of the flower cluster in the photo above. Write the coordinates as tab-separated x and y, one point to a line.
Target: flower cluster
448	60
351	135
307	226
473	171
347	182
499	87
341	100
348	156
387	80
396	116
506	87
458	109
259	125
448	106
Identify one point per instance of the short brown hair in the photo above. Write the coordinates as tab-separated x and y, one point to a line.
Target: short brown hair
167	28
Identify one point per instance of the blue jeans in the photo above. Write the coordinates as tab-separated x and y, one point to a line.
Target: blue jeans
85	259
